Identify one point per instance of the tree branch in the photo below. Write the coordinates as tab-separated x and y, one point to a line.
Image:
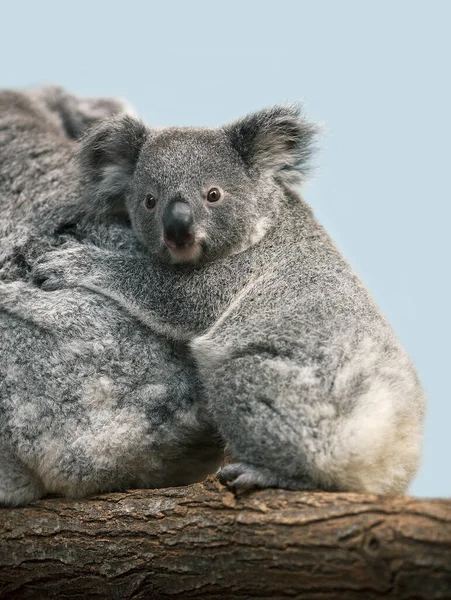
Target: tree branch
201	541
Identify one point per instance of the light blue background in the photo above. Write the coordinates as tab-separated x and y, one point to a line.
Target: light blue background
377	73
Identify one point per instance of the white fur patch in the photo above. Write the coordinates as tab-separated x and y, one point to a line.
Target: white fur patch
375	448
99	392
260	229
204	348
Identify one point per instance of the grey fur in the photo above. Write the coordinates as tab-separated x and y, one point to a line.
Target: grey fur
36	163
76	114
91	399
305	378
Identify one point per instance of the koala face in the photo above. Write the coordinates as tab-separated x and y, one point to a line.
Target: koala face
195	195
192	198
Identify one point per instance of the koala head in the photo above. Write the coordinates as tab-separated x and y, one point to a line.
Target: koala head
194	195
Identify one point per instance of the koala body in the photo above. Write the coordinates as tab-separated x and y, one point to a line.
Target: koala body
91	399
304	377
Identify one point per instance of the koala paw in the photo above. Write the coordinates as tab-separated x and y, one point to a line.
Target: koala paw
11	291
65	267
240	477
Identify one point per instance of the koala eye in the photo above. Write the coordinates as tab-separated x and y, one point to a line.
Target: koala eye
214	194
150	202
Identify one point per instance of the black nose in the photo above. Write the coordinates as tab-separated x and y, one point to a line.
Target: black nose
178	224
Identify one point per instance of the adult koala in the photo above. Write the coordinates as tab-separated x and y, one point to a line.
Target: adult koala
305	378
91	399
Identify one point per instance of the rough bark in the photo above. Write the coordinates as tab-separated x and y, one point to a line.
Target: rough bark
203	542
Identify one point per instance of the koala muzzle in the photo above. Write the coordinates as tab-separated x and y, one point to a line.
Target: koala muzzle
178	225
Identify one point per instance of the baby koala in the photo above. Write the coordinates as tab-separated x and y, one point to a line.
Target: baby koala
304	377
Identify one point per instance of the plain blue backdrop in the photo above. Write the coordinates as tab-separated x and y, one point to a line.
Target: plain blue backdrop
376	73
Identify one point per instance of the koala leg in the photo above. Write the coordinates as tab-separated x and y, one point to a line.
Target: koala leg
262	435
18	486
287	426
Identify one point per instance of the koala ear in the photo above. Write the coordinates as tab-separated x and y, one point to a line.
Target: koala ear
107	157
278	140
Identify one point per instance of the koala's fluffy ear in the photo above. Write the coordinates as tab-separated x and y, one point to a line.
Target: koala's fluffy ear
277	139
107	158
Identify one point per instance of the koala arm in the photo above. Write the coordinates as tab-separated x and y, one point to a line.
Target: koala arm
55	311
171	300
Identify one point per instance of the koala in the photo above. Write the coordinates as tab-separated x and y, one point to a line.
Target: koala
304	377
91	398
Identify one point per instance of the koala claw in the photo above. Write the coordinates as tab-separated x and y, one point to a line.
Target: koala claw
57	269
46	275
240	477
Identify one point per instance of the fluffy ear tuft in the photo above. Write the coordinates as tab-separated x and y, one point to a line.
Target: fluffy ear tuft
107	157
279	140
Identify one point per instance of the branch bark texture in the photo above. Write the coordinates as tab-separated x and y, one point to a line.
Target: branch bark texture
201	541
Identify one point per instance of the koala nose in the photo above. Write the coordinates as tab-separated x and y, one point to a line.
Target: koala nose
177	225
